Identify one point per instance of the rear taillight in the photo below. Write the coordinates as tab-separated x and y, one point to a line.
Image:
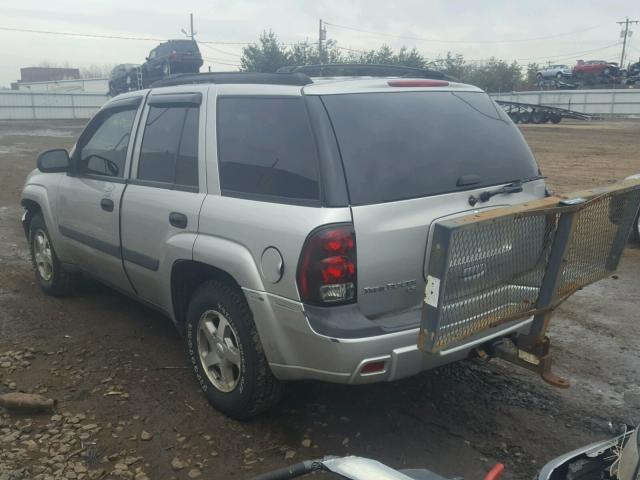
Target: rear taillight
327	273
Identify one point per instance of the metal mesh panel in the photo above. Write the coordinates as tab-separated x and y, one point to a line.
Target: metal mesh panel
486	269
495	271
598	240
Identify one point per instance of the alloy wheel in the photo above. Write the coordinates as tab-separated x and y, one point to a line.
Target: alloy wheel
218	350
43	255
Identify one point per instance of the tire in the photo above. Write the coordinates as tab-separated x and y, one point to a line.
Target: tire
538	116
525	117
50	275
539	77
635	231
555	118
515	116
220	332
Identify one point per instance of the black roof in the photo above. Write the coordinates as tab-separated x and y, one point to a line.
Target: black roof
300	75
235	77
364	70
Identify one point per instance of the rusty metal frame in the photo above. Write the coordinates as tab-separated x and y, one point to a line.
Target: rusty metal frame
532	349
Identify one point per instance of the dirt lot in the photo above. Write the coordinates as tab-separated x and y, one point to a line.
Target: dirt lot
129	407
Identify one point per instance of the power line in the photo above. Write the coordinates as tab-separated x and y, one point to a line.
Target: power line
224	52
423	39
221	62
568	55
118	37
91	35
543	57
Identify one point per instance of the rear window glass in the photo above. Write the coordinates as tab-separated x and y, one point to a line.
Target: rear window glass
182	46
404	145
266	149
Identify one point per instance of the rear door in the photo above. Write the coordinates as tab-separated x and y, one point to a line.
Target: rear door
90	200
163	199
409	159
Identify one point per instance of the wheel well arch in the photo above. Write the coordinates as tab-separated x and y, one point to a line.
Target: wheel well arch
32	207
186	277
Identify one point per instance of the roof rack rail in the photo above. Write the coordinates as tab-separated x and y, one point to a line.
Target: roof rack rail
282	78
363	70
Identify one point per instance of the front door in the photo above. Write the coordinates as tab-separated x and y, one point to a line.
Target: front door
163	199
90	200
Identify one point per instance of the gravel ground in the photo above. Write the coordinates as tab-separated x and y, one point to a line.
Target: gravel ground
129	407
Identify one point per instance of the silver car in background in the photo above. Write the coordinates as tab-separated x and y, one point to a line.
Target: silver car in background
558	72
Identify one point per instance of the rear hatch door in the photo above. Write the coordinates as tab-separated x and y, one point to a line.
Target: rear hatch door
411	158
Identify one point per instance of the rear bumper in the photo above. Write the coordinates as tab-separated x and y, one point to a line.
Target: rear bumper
296	352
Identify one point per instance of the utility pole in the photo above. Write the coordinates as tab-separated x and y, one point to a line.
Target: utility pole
191	33
322	35
624	34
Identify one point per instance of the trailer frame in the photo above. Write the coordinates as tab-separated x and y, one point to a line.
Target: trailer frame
532	113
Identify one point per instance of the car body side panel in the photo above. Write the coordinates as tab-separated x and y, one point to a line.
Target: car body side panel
42	188
229	256
150	245
91	232
254	226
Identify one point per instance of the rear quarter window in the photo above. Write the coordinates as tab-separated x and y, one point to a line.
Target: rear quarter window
266	149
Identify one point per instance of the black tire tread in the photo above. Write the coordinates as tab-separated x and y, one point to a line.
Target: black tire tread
635	230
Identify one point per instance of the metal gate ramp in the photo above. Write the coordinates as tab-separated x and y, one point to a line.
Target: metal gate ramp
493	267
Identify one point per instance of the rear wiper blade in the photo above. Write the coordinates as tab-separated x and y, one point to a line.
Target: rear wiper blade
514	187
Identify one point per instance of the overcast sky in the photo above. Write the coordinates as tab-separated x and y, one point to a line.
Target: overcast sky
511	30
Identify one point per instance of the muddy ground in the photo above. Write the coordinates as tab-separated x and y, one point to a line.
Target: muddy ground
129	407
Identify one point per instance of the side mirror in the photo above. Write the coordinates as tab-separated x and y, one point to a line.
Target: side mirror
52	161
147	58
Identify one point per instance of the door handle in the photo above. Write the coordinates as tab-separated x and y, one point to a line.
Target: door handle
106	204
178	220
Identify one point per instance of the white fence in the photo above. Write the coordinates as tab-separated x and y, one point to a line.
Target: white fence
607	103
16	105
92	85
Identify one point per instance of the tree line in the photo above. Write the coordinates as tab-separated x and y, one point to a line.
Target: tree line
493	74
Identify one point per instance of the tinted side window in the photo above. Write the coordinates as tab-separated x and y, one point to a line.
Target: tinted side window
169	152
105	151
266	149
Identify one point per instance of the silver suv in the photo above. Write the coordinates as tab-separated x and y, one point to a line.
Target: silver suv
554	71
281	222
